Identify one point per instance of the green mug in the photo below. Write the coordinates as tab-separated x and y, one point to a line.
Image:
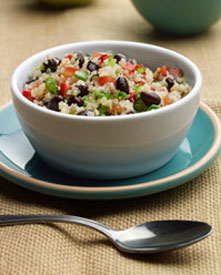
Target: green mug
178	17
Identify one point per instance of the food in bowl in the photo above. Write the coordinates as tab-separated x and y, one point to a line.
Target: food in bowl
110	147
103	84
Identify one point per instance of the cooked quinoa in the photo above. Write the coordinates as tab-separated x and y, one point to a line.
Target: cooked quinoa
103	84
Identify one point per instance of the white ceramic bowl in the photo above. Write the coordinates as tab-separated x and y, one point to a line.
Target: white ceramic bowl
108	147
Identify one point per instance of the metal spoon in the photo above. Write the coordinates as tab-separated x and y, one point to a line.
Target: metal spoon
149	237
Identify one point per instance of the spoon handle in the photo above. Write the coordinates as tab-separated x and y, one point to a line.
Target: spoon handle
6	220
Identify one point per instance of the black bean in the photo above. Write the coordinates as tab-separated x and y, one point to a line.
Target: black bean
119	56
58	60
130	113
80	59
91	66
53	103
83	90
122	84
51	64
30	81
150	98
83	113
169	82
76	100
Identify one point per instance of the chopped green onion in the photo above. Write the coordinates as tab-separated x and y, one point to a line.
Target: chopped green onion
181	73
141	70
137	96
108	95
84	98
116	94
51	85
121	94
98	94
104	109
139	106
42	67
82	75
94	76
117	72
153	107
137	88
111	62
156	80
101	114
157	77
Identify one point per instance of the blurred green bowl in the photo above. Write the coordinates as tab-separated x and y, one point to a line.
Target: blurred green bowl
178	17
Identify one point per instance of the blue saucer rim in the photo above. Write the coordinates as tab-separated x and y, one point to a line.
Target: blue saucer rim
177	178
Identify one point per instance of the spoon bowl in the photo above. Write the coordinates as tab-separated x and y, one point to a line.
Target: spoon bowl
149	237
159	236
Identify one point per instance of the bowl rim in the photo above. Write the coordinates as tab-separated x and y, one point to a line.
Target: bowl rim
40	55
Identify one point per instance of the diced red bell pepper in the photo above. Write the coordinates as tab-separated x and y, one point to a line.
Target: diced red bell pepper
64	88
69	72
129	67
175	72
160	73
138	66
163	71
114	82
69	56
96	54
27	94
167	100
104	79
103	57
140	82
132	96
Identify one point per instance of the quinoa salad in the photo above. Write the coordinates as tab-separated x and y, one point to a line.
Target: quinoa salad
103	84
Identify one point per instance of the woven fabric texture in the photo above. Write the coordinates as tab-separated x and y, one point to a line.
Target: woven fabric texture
26	28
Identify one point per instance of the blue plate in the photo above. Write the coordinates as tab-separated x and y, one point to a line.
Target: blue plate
20	164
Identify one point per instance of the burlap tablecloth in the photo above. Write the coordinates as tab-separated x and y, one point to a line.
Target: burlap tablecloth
26	28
